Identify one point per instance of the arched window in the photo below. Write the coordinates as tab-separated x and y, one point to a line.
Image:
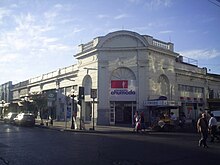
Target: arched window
123	73
87	84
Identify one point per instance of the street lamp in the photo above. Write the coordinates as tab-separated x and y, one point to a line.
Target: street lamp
89	69
67	96
72	95
73	109
93	96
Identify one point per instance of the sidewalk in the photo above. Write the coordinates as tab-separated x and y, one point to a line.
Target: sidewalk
66	126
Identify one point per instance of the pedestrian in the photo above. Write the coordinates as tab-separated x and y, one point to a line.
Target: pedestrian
136	121
142	121
213	128
202	127
182	120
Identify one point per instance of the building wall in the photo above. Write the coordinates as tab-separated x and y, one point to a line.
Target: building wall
122	50
5	92
158	71
5	97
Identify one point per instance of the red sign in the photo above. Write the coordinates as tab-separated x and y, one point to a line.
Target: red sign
119	83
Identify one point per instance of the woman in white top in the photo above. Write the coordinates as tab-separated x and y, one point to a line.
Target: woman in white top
213	128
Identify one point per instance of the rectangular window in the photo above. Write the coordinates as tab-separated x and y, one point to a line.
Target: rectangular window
188	88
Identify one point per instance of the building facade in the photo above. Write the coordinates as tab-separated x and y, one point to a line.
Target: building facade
130	72
5	97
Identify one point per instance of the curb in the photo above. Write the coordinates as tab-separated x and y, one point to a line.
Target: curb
107	131
85	131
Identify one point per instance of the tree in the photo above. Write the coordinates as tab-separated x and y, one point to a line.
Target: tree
40	102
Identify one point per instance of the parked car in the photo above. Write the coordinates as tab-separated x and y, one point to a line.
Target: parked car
25	119
9	118
216	114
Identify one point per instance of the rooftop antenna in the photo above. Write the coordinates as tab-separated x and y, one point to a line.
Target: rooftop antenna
170	38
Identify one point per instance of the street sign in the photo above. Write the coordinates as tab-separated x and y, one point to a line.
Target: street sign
51	96
93	93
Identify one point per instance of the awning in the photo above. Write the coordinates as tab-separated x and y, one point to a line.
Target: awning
159	103
213	100
20	104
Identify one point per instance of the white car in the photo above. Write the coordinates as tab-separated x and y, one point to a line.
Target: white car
216	114
25	119
9	118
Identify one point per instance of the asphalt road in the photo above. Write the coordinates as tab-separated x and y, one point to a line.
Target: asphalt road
40	146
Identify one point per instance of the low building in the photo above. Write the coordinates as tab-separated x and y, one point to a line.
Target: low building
127	72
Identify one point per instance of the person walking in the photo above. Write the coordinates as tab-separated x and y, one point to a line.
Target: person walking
137	122
182	120
202	127
143	126
213	128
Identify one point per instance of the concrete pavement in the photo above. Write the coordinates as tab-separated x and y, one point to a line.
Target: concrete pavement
87	128
66	126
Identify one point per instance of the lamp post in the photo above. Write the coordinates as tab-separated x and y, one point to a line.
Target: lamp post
88	69
93	93
81	97
70	95
93	96
73	109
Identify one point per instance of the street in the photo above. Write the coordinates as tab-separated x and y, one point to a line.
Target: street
40	146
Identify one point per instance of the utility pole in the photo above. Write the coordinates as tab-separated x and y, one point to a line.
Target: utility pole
93	96
73	111
81	97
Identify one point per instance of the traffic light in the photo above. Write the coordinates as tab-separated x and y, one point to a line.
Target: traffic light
81	93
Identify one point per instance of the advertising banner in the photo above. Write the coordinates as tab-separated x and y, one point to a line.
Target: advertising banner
123	90
119	83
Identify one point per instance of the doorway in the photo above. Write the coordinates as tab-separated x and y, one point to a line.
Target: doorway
124	111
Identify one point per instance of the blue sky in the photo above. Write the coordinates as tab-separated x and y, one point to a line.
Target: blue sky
40	36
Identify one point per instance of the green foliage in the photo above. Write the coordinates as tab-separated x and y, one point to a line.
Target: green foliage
40	103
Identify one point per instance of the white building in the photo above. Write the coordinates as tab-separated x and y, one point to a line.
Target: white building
130	72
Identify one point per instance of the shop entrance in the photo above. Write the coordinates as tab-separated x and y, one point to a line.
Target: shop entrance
123	112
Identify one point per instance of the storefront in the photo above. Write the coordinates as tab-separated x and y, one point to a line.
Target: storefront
191	107
213	104
161	108
122	112
122	101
